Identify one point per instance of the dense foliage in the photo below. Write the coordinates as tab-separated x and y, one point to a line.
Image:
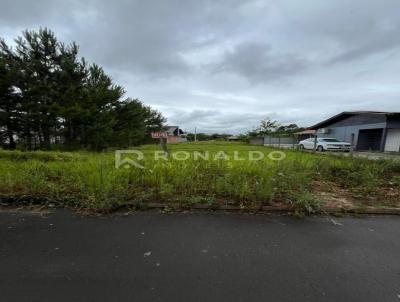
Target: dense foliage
51	98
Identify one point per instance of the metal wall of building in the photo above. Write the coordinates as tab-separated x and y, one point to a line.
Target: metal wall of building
392	143
362	127
276	140
256	141
344	133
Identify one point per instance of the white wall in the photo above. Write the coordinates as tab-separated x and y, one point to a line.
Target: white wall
393	140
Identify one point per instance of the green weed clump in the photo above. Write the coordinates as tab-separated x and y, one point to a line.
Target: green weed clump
304	203
91	181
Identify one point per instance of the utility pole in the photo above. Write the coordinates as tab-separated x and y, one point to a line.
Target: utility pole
195	134
315	141
352	145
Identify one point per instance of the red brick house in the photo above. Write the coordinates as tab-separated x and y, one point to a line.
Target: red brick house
175	135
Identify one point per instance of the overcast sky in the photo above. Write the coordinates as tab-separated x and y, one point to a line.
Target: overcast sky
225	65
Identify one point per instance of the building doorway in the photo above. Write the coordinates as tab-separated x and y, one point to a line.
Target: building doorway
369	140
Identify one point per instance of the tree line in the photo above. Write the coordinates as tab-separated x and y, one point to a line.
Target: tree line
272	127
50	97
267	127
207	137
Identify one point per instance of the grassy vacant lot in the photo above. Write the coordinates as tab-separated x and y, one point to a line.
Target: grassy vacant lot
303	181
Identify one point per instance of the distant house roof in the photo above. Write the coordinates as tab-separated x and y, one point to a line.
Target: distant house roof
173	130
346	114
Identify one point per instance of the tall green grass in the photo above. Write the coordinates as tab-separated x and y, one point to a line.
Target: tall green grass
91	181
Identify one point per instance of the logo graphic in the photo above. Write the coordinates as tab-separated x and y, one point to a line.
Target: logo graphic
130	159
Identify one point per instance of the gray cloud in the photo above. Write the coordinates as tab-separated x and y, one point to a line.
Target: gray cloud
225	65
150	38
385	41
255	62
217	121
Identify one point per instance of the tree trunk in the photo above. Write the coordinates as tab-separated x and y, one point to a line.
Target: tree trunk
28	138
46	139
11	141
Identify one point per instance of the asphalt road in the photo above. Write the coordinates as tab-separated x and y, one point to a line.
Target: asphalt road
150	256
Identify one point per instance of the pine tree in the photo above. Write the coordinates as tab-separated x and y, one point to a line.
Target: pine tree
50	97
101	98
9	99
134	122
71	79
39	59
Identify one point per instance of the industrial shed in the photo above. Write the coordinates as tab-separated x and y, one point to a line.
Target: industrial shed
367	130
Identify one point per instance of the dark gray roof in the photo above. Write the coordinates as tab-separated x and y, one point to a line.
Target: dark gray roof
171	128
345	114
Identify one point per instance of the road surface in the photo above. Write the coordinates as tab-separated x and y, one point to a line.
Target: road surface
151	256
